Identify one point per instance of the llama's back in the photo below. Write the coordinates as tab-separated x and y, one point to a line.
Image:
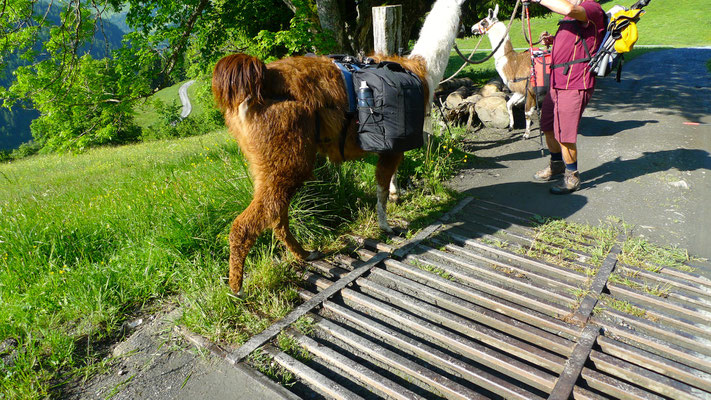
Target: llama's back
315	82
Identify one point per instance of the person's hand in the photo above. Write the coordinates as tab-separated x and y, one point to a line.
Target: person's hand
546	38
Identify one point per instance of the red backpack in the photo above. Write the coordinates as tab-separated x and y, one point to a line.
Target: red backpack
541	75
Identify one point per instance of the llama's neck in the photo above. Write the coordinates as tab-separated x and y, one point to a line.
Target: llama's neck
436	40
496	34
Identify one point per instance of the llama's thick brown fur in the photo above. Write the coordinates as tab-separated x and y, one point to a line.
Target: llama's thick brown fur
271	110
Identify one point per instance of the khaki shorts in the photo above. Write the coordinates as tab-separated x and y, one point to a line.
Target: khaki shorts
561	112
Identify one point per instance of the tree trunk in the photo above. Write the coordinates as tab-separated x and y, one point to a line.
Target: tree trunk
387	29
331	20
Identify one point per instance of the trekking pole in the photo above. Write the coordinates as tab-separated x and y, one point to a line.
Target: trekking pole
532	78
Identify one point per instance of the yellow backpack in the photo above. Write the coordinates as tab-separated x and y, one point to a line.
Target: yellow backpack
620	37
624	25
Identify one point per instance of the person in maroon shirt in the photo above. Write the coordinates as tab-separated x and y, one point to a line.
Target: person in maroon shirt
571	86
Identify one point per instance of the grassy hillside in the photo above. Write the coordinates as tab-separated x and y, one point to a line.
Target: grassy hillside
663	24
96	237
146	113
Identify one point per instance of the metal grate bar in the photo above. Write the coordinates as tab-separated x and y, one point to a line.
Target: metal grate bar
521	234
642	377
658	346
374	381
430	354
448	310
271	332
615	388
450	388
574	366
695	316
655	363
598	284
534	276
482	354
498	319
680	338
321	383
496	289
518	259
407	246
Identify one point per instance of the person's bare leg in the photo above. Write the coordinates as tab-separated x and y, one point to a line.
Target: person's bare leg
570	152
551	142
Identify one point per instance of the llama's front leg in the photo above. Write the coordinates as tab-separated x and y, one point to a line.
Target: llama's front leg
385	169
244	232
394	188
381	208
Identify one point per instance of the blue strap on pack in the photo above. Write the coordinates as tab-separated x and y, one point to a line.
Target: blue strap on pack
347	72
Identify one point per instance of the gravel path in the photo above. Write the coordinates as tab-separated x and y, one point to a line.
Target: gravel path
185	99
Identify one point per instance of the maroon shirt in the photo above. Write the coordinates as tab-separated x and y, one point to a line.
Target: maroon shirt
566	49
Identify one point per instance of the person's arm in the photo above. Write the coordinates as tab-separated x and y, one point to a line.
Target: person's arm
563	7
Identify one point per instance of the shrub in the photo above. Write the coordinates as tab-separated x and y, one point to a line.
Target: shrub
25	150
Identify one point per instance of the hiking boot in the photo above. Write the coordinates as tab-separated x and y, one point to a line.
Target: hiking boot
571	183
553	170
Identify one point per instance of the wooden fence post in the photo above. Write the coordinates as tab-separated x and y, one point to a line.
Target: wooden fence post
387	29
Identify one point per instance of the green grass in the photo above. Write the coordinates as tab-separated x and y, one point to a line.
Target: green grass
622	306
640	253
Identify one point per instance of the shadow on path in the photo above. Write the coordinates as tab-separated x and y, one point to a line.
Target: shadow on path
651	162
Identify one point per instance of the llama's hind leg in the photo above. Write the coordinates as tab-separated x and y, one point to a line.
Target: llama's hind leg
528	114
283	233
530	109
394	188
385	169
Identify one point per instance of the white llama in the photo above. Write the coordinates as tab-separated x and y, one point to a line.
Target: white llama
513	67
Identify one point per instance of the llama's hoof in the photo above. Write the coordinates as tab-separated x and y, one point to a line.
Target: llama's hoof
526	135
387	229
394	197
237	295
314	255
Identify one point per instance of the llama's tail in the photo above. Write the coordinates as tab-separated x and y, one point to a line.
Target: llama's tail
236	78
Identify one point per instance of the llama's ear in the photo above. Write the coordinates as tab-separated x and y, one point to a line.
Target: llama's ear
491	13
496	10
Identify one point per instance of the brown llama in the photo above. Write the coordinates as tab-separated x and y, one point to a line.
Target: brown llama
513	67
283	113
